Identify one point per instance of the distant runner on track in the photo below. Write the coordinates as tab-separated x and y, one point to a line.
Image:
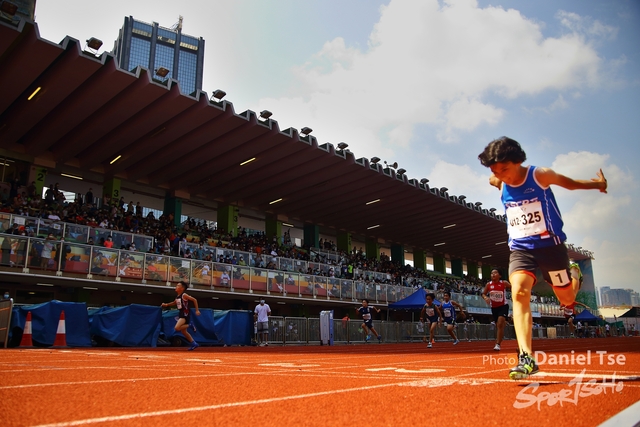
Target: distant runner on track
367	324
184	313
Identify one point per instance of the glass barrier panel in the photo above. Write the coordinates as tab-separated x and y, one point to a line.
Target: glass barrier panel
259	279
222	275
286	264
5	222
48	226
75	258
201	273
156	268
143	243
360	290
104	261
121	240
42	253
100	235
306	284
381	293
76	233
291	283
179	269
14	250
474	301
320	286
403	292
346	289
243	258
333	287
392	293
241	276
300	266
258	261
131	264
275	282
370	291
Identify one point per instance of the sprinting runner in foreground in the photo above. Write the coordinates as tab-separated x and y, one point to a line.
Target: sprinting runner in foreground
535	232
432	313
494	295
184	313
449	314
367	323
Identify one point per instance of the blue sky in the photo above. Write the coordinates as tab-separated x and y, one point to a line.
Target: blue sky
428	84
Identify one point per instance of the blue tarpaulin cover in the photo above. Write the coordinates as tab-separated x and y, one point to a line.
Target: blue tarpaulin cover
133	325
129	326
213	326
45	318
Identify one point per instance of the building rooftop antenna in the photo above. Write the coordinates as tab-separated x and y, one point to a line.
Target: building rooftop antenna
178	25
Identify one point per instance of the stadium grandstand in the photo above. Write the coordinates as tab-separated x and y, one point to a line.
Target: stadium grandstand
115	185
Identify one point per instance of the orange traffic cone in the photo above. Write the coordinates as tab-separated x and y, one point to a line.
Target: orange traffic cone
61	334
26	333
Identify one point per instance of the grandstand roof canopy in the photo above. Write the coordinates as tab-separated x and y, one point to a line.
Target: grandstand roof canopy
87	112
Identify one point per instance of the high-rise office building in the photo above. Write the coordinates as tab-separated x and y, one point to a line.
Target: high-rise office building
154	47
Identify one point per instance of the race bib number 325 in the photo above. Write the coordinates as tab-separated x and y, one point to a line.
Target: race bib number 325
526	220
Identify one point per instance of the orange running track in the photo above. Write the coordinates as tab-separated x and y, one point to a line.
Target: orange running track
373	384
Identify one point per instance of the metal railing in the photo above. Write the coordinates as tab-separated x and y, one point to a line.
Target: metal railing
305	331
27	255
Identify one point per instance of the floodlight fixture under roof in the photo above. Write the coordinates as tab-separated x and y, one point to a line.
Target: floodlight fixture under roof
424	181
218	95
162	72
342	146
265	114
401	171
478	204
394	165
306	131
444	189
94	43
8	8
374	160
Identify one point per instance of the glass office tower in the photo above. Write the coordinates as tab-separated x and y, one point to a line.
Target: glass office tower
153	47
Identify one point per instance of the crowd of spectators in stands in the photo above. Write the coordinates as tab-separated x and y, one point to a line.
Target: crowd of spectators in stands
117	215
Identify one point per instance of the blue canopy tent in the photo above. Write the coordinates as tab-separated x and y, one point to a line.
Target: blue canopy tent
586	316
415	301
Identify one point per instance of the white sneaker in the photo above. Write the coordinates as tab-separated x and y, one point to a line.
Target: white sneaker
429	345
456	342
497	347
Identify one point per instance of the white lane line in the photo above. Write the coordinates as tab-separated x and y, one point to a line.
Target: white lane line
234	404
613	376
628	417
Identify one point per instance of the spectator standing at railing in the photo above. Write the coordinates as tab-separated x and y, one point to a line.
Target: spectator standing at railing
47	248
88	197
494	295
261	316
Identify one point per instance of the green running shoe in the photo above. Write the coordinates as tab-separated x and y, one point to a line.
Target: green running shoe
526	366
